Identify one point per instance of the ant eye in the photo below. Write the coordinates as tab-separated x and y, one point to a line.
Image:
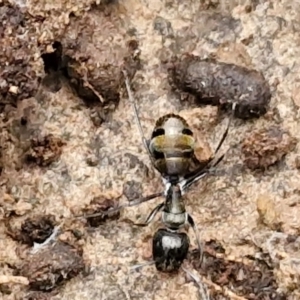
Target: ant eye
187	131
158	132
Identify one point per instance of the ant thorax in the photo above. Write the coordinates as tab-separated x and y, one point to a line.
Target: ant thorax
174	215
172	146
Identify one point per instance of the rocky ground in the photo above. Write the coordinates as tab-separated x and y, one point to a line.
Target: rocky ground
70	145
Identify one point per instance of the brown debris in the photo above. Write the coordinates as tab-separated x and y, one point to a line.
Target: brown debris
45	150
233	53
36	229
98	205
73	232
52	266
268	214
218	83
265	147
95	70
282	251
254	280
220	293
203	151
33	230
20	70
218	4
38	296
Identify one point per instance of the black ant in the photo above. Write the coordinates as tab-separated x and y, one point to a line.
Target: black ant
171	151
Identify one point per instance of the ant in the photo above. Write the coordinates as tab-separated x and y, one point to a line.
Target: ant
171	151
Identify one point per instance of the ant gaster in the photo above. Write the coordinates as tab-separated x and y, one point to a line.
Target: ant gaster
171	151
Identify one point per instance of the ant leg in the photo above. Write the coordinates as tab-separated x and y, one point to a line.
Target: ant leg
136	267
143	199
193	225
116	209
186	183
204	293
206	165
151	215
227	129
224	136
131	98
203	170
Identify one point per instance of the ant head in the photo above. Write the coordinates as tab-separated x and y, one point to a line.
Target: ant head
169	250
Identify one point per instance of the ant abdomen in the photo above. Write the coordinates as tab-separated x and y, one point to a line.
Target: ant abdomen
169	249
172	145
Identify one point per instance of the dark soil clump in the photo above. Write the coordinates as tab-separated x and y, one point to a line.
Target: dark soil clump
33	230
265	147
20	72
52	266
37	229
45	150
217	83
253	280
94	58
98	205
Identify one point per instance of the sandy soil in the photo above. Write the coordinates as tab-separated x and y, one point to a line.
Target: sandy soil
251	213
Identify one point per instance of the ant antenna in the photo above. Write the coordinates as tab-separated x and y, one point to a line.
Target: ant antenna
139	266
132	100
204	293
196	232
